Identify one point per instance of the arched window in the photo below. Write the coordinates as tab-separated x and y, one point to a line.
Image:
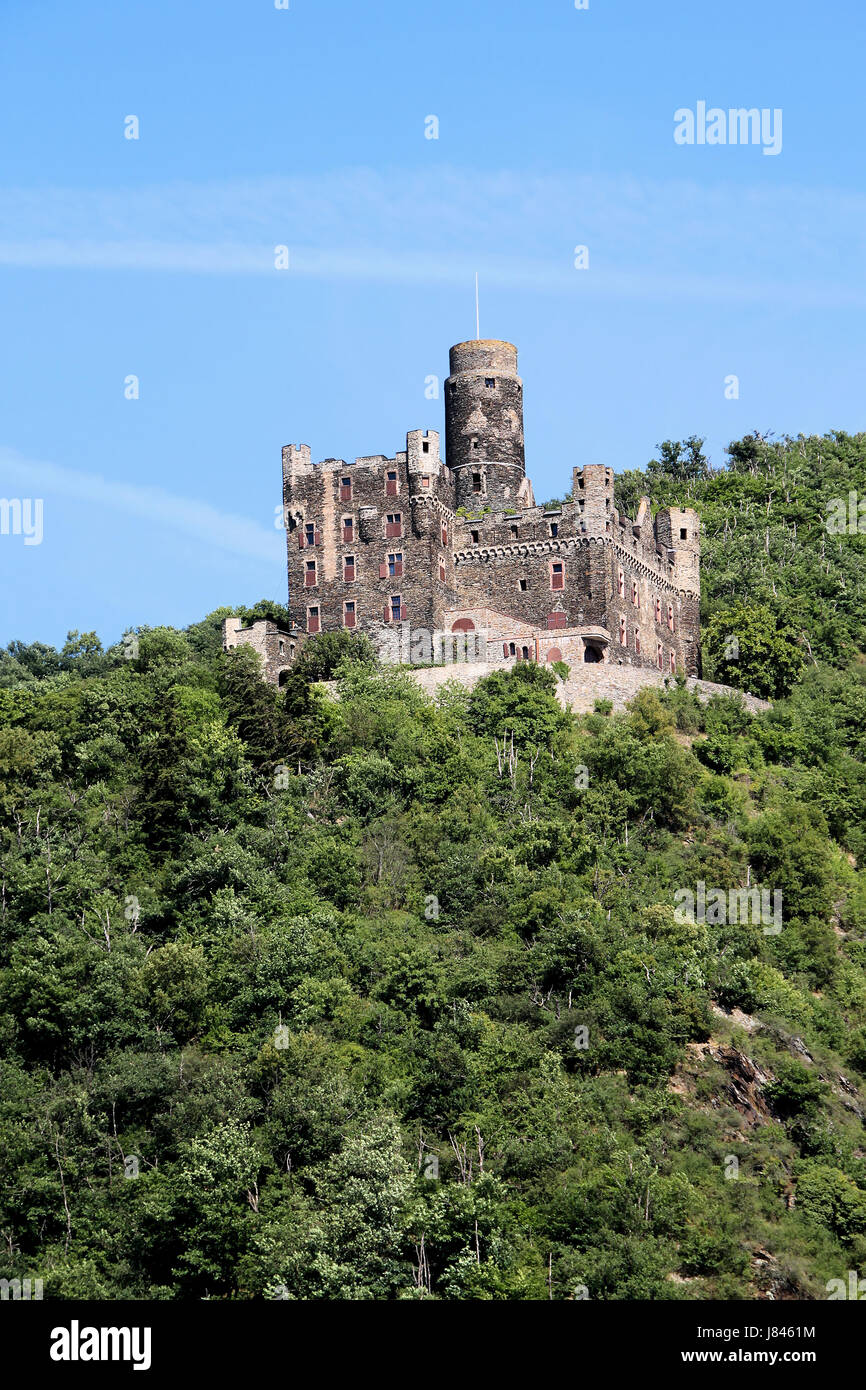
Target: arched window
463	625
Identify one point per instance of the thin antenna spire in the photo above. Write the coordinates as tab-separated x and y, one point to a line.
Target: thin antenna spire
477	320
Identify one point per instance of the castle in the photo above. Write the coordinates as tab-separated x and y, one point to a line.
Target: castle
450	559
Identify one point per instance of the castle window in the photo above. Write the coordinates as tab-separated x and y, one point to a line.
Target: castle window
349	569
345	489
310	533
673	663
425	446
623	635
580	501
393	525
393	566
671	616
474	535
391	483
637	640
441	570
684	535
475	443
490	382
658	609
555	620
425	480
310	574
282	647
554	529
444	535
635	594
348	530
557	575
621	585
660	656
349	613
313	619
394	610
524	653
476	482
512	650
514	533
521	584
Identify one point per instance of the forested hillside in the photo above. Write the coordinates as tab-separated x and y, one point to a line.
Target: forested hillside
379	997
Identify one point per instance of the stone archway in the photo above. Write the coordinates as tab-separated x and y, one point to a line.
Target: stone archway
554	654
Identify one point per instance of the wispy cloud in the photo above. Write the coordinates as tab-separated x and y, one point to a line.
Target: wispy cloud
227	532
647	239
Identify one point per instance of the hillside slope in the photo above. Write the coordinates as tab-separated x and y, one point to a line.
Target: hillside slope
389	997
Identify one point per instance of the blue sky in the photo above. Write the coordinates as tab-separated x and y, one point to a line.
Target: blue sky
306	128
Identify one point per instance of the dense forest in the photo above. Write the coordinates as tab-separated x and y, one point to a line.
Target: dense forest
343	992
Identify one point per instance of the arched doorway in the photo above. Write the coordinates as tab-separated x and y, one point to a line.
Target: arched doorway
554	654
283	677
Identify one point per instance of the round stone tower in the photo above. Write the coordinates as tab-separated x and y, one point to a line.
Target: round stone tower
484	426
